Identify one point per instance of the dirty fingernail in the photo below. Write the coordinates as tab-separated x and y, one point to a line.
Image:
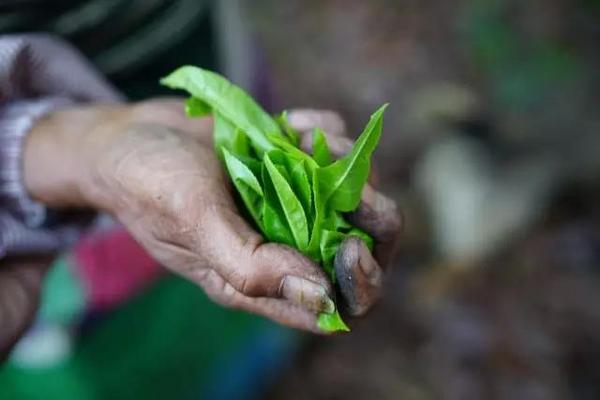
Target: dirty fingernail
307	294
367	267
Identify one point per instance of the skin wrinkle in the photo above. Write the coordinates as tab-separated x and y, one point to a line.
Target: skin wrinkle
279	310
175	254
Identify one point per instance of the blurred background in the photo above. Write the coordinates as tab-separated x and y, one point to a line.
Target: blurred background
491	147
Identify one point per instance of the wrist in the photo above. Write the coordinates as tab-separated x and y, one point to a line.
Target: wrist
59	153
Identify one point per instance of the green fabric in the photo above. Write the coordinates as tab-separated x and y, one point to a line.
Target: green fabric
158	346
62	296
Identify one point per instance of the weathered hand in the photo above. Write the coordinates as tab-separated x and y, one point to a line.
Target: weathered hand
156	171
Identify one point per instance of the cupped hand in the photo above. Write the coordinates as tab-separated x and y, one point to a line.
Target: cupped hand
156	171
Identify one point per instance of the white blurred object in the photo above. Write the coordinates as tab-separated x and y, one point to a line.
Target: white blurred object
43	347
474	205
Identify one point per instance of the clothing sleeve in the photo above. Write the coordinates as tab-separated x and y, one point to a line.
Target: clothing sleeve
38	74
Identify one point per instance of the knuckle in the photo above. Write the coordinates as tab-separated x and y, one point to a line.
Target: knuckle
259	278
250	285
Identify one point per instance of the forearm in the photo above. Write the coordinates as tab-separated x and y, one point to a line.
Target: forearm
62	152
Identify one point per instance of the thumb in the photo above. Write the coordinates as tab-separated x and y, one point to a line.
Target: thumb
258	269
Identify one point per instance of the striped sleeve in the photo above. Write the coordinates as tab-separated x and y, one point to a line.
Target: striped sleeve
16	119
38	74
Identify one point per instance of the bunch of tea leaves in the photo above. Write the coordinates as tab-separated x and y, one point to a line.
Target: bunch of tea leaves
292	197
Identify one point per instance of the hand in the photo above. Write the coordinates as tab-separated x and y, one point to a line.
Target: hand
20	284
155	170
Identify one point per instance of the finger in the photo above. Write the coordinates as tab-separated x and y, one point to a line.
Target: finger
279	310
305	120
19	295
378	215
359	276
259	269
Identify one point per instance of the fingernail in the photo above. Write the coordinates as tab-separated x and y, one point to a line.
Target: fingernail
307	294
367	264
367	268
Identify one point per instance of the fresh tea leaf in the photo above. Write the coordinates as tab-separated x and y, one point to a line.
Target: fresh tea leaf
285	126
292	208
318	213
240	144
364	236
282	162
332	322
301	186
276	228
342	182
196	108
330	243
229	100
336	221
295	174
294	152
252	163
238	171
223	134
246	184
321	153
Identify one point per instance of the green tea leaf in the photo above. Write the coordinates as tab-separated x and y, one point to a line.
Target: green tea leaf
294	152
321	153
330	243
282	162
335	221
292	208
196	108
238	171
253	164
342	182
301	186
331	322
276	228
294	172
318	211
229	100
224	134
240	145
291	133
364	236
246	184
